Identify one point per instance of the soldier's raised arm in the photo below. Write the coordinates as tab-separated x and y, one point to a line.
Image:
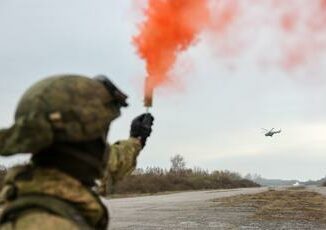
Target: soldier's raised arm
123	154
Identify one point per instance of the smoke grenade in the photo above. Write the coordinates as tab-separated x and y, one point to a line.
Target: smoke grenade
148	99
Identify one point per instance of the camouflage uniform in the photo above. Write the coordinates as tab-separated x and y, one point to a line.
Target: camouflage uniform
122	162
63	121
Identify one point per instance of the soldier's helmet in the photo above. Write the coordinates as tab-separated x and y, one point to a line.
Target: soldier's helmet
63	108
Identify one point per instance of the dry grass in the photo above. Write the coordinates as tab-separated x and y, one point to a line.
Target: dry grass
131	195
282	205
301	187
155	180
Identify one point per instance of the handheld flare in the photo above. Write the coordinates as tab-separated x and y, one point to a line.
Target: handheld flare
148	99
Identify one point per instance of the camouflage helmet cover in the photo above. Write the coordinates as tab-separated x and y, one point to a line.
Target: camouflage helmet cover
69	108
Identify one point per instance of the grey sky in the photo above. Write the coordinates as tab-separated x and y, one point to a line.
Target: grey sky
213	119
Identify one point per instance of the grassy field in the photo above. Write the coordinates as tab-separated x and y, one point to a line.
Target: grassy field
289	204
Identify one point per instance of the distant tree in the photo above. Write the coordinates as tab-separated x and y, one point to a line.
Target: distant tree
138	171
154	171
199	171
254	177
178	163
248	176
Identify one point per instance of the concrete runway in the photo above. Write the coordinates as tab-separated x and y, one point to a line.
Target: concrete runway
184	210
196	211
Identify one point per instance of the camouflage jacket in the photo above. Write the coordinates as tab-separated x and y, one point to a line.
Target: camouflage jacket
122	161
33	195
39	198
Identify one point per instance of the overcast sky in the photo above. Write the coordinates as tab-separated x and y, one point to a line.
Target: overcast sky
214	118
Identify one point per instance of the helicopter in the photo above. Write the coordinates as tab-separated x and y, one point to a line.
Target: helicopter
270	133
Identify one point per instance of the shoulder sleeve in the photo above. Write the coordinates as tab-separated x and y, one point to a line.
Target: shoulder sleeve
123	158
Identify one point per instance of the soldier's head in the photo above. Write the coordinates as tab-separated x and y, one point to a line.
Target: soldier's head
69	111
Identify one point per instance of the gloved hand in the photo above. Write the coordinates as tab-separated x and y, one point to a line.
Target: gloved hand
141	127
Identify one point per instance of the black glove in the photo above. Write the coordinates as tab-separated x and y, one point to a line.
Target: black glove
141	127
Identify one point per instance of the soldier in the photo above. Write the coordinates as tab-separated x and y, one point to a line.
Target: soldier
64	121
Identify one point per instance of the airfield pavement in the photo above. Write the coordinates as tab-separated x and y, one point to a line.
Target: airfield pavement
196	210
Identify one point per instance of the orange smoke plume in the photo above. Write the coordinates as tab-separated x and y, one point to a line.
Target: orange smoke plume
296	32
170	27
296	29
